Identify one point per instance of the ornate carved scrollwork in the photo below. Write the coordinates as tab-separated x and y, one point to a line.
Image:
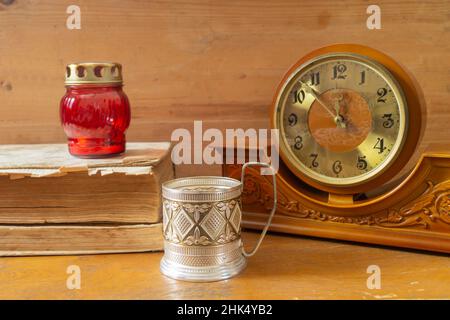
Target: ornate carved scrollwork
431	207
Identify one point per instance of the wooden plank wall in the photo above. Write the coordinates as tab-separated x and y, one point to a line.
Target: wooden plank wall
216	61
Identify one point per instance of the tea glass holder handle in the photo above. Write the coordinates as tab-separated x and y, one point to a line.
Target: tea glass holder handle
272	213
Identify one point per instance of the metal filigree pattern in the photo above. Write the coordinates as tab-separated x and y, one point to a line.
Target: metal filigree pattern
201	256
201	224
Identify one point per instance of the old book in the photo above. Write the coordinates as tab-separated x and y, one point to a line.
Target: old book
53	203
63	239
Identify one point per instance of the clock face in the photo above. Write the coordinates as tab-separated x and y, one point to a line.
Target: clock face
342	119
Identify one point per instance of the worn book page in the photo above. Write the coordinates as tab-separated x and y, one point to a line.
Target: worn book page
39	160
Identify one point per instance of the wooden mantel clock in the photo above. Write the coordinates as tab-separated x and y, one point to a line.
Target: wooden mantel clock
349	120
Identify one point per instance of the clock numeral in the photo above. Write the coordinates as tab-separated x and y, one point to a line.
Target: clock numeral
363	78
389	122
339	71
315	78
298	142
362	163
292	119
337	166
314	162
381	95
299	96
380	145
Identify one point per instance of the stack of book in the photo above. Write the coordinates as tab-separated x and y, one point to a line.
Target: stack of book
54	203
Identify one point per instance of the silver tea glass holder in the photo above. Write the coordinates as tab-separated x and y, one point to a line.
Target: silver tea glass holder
202	227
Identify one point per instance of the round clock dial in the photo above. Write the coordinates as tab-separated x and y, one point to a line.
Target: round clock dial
342	119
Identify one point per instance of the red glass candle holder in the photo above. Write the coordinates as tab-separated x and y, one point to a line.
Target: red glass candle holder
95	112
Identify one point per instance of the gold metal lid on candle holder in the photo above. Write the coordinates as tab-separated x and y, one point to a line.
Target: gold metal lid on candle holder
93	73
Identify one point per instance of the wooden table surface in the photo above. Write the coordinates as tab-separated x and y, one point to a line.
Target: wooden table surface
286	267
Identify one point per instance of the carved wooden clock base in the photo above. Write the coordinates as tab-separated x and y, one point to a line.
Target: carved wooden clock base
415	214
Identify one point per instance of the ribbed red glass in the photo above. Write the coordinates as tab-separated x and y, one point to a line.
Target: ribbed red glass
95	118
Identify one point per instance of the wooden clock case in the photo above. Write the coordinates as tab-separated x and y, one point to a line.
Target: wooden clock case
410	211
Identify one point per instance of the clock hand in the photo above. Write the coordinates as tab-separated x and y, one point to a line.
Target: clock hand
314	93
337	118
337	106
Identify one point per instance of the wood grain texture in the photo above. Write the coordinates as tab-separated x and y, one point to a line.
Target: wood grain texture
305	269
214	61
